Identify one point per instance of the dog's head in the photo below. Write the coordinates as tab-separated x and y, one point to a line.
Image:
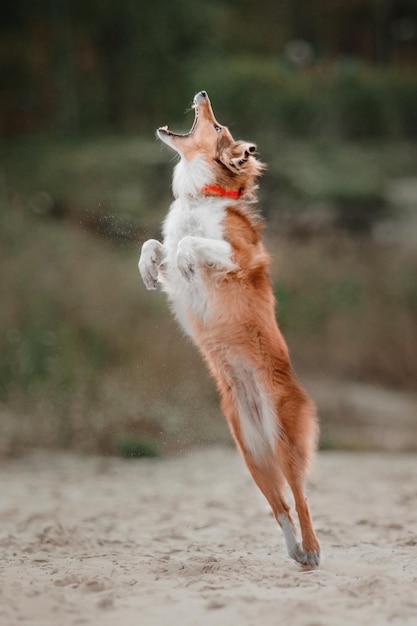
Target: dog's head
231	163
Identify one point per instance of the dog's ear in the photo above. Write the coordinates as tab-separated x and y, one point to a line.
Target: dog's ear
235	155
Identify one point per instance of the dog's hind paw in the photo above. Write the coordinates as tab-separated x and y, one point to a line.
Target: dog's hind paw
309	558
312	559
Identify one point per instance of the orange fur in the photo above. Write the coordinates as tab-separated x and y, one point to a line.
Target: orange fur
243	320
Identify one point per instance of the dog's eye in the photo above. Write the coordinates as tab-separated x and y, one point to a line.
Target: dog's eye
217	128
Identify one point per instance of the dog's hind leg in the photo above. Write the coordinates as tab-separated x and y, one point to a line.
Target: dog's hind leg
270	481
309	554
293	458
311	546
244	406
268	477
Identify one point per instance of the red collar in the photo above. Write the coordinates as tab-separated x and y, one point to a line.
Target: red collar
221	191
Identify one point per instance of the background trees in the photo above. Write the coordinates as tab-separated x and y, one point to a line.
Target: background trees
74	66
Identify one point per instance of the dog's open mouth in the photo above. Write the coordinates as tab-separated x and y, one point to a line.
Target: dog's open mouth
198	98
168	131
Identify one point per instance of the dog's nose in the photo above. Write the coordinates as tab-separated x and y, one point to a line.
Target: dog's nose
200	97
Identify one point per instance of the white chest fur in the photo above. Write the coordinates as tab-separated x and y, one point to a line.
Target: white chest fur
196	217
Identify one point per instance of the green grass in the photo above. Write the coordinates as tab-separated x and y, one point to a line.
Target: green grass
130	447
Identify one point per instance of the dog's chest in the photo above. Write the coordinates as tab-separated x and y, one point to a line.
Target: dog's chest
202	218
194	218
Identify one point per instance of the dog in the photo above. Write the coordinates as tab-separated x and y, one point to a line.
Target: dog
215	270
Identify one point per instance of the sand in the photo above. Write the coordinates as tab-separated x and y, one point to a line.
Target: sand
190	541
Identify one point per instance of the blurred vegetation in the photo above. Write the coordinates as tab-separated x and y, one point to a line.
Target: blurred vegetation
346	99
129	447
309	68
88	358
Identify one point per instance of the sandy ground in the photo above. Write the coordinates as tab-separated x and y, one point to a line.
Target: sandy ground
189	541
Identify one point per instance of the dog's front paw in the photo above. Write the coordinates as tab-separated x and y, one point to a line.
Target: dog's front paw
149	262
149	275
186	259
186	265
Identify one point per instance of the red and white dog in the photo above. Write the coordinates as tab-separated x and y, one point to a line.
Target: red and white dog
215	270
